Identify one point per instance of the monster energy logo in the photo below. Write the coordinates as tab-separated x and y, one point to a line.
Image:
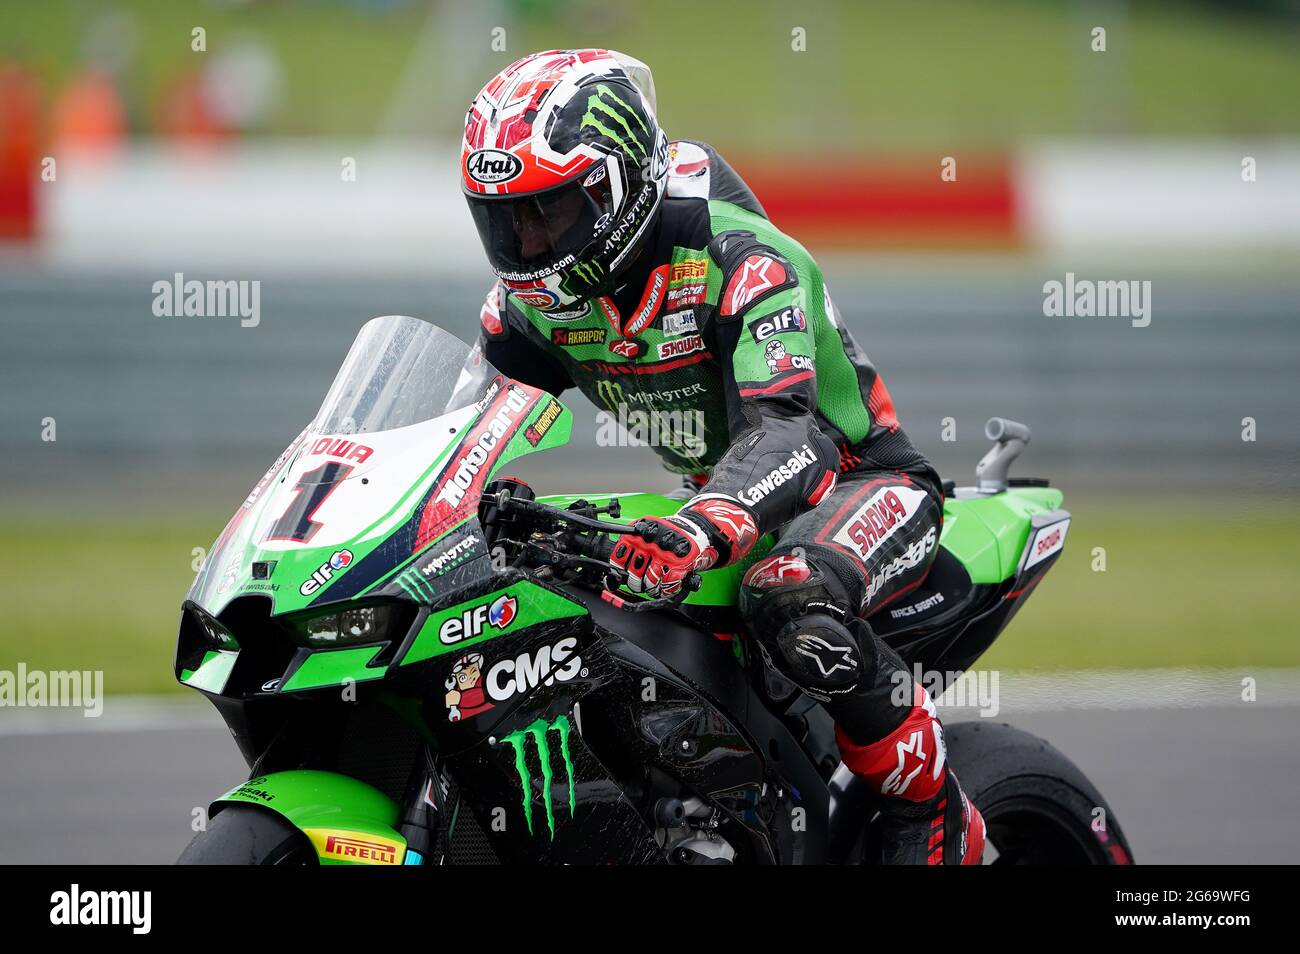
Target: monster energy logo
588	272
539	732
602	117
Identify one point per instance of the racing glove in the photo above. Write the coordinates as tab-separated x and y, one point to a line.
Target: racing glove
706	532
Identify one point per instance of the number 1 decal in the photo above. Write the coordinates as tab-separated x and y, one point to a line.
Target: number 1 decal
298	523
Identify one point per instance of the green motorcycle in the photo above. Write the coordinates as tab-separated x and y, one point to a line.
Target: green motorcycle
424	663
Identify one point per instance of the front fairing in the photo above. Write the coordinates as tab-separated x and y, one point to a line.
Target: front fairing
390	512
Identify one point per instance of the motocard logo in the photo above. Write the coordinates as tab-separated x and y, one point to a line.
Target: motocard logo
546	666
650	307
801	460
1047	541
687	345
465	470
878	519
338	561
791	319
500	613
492	166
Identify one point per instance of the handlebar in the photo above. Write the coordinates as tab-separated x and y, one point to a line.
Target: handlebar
597	546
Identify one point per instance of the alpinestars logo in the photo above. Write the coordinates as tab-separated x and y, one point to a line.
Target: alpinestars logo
913	757
467	468
910	558
609	115
800	461
540	733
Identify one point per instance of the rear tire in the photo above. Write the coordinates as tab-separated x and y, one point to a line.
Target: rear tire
247	835
1038	807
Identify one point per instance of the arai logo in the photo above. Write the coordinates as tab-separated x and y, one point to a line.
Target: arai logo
490	166
338	561
500	613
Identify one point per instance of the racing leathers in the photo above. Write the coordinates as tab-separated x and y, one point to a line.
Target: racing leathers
724	342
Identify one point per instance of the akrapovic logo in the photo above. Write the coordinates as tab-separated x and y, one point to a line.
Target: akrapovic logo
801	460
467	468
492	166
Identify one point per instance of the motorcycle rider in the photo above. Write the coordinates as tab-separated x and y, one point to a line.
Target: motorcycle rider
646	274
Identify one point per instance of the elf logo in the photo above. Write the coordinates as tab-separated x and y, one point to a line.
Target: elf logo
791	319
500	613
490	166
338	561
545	666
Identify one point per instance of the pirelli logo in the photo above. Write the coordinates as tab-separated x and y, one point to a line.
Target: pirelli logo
689	270
354	847
572	337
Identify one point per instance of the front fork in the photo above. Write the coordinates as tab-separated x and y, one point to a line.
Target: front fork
426	811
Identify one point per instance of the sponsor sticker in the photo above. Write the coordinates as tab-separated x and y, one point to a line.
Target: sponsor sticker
679	323
537	430
338	562
788	319
357	847
493	166
1046	541
877	520
681	346
574	337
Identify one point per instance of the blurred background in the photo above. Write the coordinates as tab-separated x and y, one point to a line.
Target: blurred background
311	146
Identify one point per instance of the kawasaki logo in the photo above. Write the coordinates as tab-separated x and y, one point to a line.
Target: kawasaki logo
467	468
540	732
799	461
613	125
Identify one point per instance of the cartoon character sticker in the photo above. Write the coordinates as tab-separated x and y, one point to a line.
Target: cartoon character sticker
465	694
777	358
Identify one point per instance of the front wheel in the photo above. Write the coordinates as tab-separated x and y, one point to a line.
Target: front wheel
1039	808
247	835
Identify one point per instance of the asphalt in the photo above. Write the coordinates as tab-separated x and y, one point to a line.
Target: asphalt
1212	784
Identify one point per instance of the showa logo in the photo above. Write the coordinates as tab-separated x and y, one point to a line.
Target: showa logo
1084	298
338	561
178	298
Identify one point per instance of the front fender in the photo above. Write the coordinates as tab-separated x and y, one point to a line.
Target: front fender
347	821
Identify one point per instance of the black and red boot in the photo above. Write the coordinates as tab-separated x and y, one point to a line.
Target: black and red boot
926	818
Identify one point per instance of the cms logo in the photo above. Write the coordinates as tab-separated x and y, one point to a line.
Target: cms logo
546	666
500	613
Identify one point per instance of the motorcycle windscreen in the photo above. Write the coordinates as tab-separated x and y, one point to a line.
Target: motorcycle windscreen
347	500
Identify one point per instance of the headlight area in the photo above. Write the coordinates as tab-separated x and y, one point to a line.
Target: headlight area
349	626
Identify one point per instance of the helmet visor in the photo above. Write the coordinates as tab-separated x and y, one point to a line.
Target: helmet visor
528	236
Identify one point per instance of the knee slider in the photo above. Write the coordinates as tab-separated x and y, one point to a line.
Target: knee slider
803	627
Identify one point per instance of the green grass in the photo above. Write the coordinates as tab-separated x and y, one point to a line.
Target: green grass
1185	585
932	74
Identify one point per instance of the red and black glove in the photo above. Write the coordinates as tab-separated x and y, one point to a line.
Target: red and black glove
708	531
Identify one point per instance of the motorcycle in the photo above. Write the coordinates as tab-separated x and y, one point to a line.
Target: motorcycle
422	662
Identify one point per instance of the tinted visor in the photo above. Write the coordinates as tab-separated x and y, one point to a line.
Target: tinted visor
527	234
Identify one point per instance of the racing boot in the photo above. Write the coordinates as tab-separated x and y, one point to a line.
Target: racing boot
925	817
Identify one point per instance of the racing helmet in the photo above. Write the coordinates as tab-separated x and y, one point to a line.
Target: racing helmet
564	167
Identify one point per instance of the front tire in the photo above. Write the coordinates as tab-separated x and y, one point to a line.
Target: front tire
1038	807
247	835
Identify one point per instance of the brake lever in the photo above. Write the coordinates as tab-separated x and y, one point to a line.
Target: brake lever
689	586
